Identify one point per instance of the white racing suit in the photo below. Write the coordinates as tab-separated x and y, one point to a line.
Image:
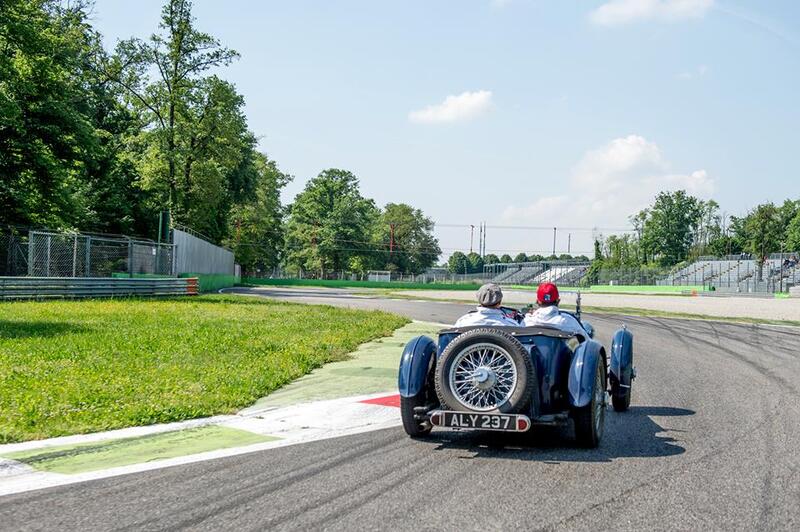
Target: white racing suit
554	318
491	317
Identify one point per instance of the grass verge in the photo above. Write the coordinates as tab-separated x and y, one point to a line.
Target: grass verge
70	367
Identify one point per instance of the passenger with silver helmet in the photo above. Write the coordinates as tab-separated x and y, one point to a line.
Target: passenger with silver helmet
488	313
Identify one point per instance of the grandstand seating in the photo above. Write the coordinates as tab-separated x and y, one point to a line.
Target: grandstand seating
523	275
740	275
504	276
536	273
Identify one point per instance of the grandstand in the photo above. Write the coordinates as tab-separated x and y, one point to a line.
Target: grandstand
534	273
737	274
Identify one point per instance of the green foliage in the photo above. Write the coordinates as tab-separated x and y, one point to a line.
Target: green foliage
521	257
793	234
81	366
48	138
506	258
256	226
491	259
415	249
196	154
621	251
329	224
763	233
458	263
669	226
475	263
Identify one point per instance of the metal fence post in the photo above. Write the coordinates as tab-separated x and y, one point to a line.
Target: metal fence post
130	258
74	253
49	240
88	265
30	253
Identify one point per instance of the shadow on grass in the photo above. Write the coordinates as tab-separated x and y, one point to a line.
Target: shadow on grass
627	434
38	329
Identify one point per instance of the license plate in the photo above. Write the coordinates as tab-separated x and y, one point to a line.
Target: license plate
471	420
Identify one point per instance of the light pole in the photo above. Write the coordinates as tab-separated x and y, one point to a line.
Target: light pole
471	236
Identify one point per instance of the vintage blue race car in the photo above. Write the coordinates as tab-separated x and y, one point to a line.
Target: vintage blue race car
513	379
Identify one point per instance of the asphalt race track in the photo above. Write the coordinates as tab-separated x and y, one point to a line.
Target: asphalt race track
712	441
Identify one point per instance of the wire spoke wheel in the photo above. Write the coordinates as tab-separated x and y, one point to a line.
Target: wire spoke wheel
483	377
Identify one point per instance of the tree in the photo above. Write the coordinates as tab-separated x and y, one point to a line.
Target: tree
458	263
491	259
256	226
195	144
48	141
670	226
329	224
475	262
521	257
407	236
764	233
793	235
621	251
708	226
506	258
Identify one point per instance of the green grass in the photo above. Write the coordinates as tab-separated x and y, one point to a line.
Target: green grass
70	367
358	284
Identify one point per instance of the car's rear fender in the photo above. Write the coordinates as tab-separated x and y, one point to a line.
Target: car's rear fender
417	359
621	367
581	380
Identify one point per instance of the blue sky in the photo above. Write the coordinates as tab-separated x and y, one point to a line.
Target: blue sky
518	113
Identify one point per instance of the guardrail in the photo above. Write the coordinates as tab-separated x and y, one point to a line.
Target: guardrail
78	287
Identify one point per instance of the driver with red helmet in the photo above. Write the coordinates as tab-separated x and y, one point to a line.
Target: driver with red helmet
548	298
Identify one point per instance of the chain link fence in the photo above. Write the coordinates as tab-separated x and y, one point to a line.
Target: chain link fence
52	254
13	252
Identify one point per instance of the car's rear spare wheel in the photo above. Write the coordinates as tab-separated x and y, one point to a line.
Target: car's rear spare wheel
485	370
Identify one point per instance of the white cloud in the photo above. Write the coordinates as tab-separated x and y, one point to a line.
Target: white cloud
619	12
454	108
609	184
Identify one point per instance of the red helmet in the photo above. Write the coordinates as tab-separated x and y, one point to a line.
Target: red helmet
547	294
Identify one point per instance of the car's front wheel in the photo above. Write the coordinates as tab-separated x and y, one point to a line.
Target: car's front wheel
590	419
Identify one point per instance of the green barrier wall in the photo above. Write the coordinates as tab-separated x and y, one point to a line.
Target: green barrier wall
212	282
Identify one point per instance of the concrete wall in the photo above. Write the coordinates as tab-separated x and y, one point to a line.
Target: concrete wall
195	255
794	291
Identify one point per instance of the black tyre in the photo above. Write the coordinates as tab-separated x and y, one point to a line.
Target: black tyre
485	370
412	426
621	398
590	419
